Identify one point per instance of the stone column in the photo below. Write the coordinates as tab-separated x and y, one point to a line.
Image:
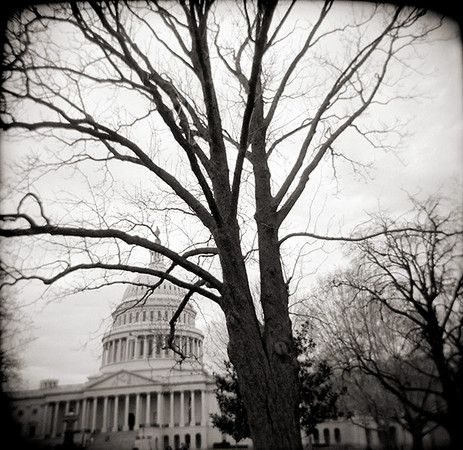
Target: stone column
116	348
55	419
145	347
125	426
44	429
171	419
95	403
105	414
182	408
203	408
116	412
136	348
123	356
83	422
137	411
158	408
193	419
148	410
63	425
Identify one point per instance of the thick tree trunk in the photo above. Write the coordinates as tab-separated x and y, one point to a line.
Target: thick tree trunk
417	438
454	429
268	394
265	364
264	356
450	380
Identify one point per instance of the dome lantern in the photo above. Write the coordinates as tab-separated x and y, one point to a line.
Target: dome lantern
156	258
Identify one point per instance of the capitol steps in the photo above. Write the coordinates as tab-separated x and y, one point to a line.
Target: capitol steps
122	440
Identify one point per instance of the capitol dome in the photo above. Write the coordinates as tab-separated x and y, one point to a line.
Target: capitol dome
138	337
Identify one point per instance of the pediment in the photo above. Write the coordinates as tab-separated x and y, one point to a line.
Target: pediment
119	379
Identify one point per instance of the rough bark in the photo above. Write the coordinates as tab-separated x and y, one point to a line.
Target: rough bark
267	369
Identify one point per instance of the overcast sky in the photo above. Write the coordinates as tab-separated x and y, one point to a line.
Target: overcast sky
67	334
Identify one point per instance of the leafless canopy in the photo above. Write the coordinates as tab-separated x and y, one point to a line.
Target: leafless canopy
207	119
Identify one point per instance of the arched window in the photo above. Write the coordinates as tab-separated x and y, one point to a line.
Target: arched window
198	440
316	436
326	435
337	435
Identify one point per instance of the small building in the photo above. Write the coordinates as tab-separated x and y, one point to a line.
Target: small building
361	432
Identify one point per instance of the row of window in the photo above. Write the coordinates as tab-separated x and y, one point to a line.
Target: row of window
327	436
177	443
152	315
142	290
20	412
148	346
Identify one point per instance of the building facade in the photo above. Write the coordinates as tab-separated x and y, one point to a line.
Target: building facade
146	395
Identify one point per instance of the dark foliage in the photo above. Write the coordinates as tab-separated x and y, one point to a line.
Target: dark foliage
318	395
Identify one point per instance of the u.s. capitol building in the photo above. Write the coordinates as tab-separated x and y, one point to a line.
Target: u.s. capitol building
143	396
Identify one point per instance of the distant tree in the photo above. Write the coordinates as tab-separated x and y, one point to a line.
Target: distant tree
397	316
367	397
318	394
233	418
13	332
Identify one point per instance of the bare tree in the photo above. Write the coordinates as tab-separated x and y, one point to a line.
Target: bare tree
224	113
397	316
